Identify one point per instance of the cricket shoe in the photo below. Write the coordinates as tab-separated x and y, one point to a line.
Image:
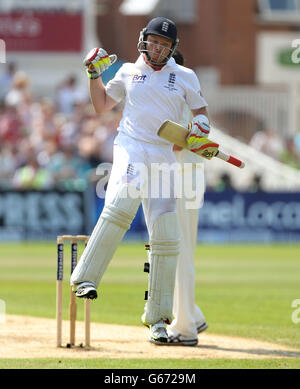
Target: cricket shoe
158	333
201	327
86	290
179	340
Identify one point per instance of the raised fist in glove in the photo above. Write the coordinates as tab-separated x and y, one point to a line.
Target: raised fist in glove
197	138
97	61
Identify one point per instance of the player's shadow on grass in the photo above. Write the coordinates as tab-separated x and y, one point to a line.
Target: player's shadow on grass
278	353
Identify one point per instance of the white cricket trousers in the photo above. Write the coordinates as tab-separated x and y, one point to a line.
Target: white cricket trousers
136	162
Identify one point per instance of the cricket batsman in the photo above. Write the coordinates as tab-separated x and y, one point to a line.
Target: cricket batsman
153	89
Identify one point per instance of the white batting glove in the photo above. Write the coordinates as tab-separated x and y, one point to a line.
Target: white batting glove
200	126
97	61
197	138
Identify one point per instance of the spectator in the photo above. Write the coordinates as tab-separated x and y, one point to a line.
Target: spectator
89	146
268	142
9	160
107	133
68	170
224	183
45	155
11	125
42	123
297	142
19	93
32	176
256	184
68	95
6	80
290	155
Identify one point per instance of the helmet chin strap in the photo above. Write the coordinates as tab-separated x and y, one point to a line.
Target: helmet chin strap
153	65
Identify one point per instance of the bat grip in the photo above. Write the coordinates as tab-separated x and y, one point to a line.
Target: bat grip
230	159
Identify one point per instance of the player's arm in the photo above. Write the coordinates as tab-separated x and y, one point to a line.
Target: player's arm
100	100
96	62
200	111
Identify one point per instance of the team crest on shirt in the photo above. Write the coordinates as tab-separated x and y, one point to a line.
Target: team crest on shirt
171	82
138	78
130	170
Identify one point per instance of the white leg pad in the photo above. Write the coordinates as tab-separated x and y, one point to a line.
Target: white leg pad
108	233
164	250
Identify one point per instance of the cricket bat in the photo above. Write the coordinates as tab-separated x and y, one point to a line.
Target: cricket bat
176	133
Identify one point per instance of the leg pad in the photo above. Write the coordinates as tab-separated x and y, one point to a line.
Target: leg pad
164	250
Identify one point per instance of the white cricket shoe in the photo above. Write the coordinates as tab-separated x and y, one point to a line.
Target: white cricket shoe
201	327
86	290
179	340
158	333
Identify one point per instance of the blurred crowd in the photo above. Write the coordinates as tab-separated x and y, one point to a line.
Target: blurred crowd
59	142
283	149
51	143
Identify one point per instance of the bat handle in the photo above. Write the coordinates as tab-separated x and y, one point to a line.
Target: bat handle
230	159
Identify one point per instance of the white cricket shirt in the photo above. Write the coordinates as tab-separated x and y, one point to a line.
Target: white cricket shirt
151	97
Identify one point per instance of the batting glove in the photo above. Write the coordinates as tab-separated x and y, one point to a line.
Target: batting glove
97	61
197	138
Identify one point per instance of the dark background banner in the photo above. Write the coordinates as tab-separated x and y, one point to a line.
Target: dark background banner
260	216
239	216
225	217
43	214
42	32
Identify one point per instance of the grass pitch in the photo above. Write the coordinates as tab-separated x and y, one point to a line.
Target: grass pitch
171	364
243	290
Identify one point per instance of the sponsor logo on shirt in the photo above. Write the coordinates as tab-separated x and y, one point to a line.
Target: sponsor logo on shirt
138	78
171	82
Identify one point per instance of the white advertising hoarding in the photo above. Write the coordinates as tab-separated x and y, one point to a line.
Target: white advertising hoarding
278	57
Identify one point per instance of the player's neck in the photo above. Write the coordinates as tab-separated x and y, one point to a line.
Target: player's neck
154	67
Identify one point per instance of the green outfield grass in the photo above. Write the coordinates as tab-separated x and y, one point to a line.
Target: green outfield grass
244	290
55	363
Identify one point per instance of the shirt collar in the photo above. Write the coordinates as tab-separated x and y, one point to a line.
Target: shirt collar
142	64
